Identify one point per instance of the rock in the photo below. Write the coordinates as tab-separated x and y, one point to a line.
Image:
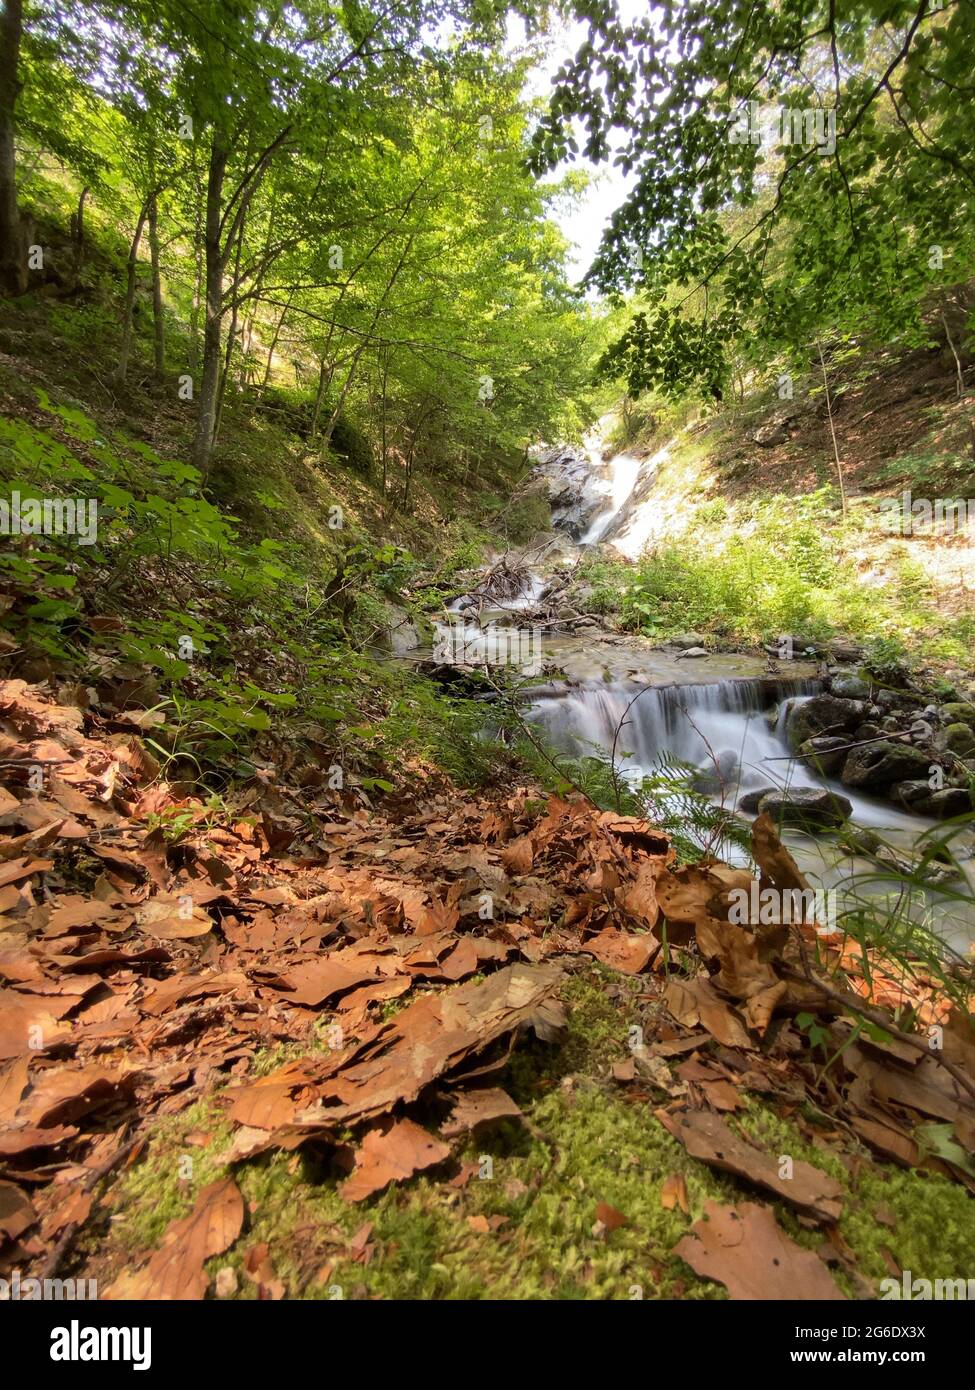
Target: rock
851	685
749	803
693	651
946	803
689	639
878	766
806	806
943	804
774	431
959	712
825	753
714	778
821	714
960	739
866	731
910	793
889	700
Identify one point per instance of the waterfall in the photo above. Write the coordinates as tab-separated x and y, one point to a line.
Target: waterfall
723	723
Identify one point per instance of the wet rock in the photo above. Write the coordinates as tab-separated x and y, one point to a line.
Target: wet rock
693	651
960	739
806	806
749	802
822	714
943	804
878	766
910	793
851	685
826	753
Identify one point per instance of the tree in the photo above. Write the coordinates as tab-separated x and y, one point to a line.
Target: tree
13	254
850	214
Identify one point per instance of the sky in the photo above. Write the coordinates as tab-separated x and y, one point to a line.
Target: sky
584	223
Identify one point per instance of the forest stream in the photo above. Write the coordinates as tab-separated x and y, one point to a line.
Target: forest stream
668	714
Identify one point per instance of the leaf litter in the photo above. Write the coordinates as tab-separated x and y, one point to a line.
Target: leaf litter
140	973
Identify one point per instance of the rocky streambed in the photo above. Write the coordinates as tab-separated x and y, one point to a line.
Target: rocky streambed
859	773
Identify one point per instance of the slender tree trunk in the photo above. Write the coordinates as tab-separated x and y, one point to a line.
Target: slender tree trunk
210	382
158	326
333	418
325	374
13	259
274	343
231	337
197	281
832	431
130	287
382	417
79	235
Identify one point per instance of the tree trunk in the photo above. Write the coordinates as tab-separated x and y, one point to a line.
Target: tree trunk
210	382
78	233
158	327
130	286
13	258
197	280
231	337
274	343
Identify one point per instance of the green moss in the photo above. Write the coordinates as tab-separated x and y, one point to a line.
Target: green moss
537	1187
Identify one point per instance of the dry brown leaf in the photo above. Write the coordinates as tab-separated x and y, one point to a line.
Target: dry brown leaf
707	1137
673	1193
176	1270
391	1155
743	1248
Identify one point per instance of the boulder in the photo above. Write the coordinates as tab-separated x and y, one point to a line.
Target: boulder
822	714
867	730
946	803
809	807
960	739
958	712
910	793
877	766
825	754
943	804
749	802
851	685
689	639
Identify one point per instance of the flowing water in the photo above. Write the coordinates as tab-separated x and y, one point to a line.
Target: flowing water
722	715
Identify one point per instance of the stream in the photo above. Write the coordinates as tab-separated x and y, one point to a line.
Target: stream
721	714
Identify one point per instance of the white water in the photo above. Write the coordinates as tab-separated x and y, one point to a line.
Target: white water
623	472
720	728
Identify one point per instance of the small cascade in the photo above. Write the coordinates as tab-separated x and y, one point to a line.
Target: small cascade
721	727
623	472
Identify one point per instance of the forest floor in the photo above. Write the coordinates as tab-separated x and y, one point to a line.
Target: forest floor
268	1033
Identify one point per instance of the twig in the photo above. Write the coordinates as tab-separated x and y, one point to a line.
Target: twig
882	1020
53	1261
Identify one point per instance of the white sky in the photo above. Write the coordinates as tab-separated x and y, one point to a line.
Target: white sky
582	225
